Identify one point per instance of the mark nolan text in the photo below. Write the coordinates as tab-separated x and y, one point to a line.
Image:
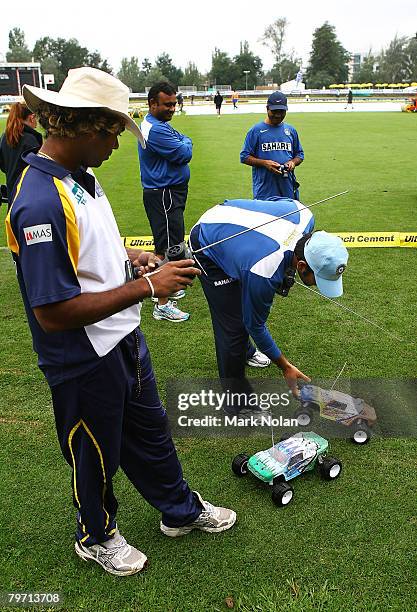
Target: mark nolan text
261	420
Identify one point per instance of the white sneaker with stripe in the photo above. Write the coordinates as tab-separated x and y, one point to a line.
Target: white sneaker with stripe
212	519
169	312
116	556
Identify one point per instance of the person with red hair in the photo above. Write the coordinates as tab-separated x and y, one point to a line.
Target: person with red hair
19	137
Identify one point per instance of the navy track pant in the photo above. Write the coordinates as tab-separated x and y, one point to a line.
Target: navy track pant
104	421
224	298
165	211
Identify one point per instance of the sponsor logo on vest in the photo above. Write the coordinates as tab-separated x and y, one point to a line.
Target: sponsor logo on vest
38	233
79	194
224	281
276	146
99	190
293	237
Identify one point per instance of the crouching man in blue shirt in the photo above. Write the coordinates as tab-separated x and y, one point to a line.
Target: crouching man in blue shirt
241	276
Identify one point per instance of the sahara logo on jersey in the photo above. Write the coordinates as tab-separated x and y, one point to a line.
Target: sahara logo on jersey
38	233
276	146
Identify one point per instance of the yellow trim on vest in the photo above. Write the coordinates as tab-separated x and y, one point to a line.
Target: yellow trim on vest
12	242
11	238
73	237
20	183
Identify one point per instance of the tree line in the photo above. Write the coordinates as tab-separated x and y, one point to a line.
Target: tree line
328	62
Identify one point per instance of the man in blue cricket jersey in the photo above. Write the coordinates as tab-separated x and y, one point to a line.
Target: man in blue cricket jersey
273	149
165	174
241	276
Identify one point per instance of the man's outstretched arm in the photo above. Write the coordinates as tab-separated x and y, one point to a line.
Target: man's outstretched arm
88	308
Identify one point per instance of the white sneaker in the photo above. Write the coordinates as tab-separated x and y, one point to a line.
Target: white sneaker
212	519
116	556
169	312
258	360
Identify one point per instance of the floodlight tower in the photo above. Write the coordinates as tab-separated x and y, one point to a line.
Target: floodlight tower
246	72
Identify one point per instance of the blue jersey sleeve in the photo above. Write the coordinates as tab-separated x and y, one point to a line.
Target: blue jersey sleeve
46	240
169	144
257	297
249	146
310	226
297	148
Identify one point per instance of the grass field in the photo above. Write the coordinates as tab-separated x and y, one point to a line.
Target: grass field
346	546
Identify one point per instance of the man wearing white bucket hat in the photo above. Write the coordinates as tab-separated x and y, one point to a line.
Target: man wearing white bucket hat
82	305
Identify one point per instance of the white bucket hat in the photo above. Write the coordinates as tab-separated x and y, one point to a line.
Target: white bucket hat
87	88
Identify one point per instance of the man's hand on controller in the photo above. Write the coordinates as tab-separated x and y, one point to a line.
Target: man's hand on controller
172	277
145	262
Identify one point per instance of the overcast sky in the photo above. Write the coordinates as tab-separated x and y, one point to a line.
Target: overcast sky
190	29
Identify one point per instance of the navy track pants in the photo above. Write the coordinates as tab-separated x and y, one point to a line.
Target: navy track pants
103	420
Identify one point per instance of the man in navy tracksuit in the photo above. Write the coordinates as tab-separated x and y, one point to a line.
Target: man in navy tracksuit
83	309
165	174
268	146
241	276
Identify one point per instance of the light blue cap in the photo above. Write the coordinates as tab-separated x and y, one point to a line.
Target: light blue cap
327	257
